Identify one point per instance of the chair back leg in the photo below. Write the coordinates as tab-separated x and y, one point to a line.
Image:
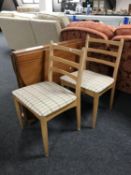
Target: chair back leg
95	110
112	97
44	131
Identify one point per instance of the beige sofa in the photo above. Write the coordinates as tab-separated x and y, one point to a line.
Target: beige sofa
28	30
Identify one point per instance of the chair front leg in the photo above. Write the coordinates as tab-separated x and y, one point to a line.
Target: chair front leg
78	115
95	110
44	131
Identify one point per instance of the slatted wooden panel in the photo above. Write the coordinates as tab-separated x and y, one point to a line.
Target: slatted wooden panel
103	51
63	60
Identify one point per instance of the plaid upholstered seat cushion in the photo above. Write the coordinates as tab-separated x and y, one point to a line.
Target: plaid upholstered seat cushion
44	98
91	81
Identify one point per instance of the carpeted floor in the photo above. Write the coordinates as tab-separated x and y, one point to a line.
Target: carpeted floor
105	150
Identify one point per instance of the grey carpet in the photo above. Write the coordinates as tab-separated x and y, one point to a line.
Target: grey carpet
105	150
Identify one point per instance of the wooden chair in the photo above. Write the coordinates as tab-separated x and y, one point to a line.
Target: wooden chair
47	99
95	84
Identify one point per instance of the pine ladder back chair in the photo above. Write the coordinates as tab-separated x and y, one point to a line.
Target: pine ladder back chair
47	99
95	84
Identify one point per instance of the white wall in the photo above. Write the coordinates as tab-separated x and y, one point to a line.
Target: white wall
122	4
46	5
56	6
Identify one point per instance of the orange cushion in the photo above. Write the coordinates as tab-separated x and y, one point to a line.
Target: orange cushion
101	27
81	30
125	37
123	30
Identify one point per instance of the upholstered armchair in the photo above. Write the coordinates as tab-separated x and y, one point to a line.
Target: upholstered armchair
82	28
124	75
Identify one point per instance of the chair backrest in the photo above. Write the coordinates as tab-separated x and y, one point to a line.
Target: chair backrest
79	65
114	54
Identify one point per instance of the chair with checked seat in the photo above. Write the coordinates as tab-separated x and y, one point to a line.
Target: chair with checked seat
47	99
95	84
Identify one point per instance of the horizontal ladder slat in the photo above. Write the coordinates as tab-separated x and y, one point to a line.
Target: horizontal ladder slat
54	69
91	59
72	50
62	60
105	52
115	43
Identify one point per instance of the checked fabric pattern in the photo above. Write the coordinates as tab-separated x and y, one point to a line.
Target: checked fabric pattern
91	81
44	98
